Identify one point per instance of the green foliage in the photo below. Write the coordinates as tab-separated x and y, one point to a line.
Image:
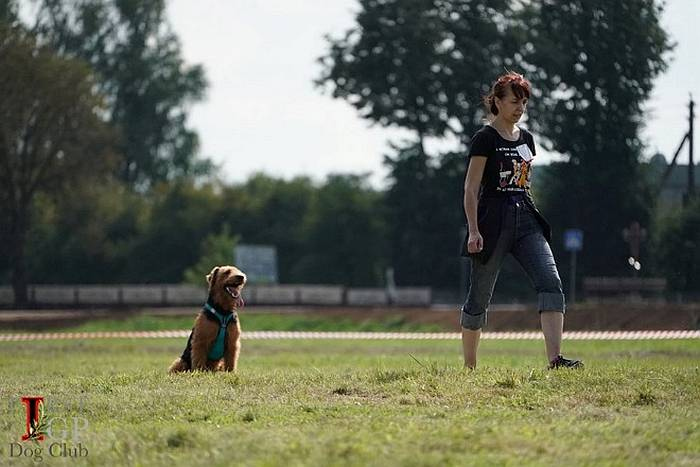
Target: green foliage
332	233
107	233
138	62
416	65
182	215
51	137
678	247
266	210
87	235
85	64
216	249
8	12
345	235
594	63
420	64
425	216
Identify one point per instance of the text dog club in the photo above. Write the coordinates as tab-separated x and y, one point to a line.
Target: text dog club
62	449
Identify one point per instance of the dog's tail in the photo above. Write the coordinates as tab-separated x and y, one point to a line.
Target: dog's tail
178	365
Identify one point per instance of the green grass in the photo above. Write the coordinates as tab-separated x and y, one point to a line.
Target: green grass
255	322
363	403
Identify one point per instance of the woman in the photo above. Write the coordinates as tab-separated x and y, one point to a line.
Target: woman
503	219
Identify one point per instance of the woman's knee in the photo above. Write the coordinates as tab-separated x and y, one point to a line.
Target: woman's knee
549	284
546	279
551	301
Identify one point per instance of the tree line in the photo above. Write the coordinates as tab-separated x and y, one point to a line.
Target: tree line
101	181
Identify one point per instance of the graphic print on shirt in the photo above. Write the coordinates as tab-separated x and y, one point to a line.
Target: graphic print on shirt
521	174
508	167
504	179
514	172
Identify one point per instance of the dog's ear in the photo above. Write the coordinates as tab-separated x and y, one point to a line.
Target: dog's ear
212	276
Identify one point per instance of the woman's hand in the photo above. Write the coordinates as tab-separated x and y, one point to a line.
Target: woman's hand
475	243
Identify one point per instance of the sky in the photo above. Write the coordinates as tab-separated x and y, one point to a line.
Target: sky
262	112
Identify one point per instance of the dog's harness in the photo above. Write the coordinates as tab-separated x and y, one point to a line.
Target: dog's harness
217	350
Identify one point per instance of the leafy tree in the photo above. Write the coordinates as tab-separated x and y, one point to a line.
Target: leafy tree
216	249
328	233
8	13
425	216
266	210
423	65
181	216
678	247
110	234
411	214
345	235
593	65
138	61
87	234
420	64
51	137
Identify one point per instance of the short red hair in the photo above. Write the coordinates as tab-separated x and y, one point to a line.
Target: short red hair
518	84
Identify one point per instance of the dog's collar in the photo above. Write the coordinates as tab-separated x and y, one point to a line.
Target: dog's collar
222	317
216	351
210	305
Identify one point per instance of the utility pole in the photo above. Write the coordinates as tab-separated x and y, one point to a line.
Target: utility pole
691	166
689	137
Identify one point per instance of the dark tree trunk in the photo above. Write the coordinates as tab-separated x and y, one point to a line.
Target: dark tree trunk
18	236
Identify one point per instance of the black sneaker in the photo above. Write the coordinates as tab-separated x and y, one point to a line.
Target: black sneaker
561	362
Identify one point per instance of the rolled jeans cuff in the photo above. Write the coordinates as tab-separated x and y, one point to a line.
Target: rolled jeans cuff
548	301
472	322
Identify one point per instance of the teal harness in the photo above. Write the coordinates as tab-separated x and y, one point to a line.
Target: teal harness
217	350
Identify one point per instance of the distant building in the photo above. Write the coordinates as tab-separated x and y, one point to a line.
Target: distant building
676	185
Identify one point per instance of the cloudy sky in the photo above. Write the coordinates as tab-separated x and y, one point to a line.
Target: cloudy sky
262	112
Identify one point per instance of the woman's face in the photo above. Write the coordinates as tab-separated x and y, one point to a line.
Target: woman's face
510	107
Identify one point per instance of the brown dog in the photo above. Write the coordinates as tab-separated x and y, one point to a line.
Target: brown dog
215	340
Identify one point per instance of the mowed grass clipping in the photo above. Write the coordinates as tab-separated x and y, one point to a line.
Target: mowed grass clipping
326	402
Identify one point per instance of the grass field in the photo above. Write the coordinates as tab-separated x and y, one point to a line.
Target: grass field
254	322
267	322
359	403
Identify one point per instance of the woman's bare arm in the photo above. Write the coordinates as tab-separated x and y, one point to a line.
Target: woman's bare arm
472	182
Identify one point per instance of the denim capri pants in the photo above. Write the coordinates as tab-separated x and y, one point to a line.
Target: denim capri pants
521	235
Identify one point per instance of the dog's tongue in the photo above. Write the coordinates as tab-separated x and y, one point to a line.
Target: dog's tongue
239	302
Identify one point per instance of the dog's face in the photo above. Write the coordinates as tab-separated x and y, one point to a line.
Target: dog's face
225	285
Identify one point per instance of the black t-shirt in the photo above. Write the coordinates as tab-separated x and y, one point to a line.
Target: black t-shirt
507	170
